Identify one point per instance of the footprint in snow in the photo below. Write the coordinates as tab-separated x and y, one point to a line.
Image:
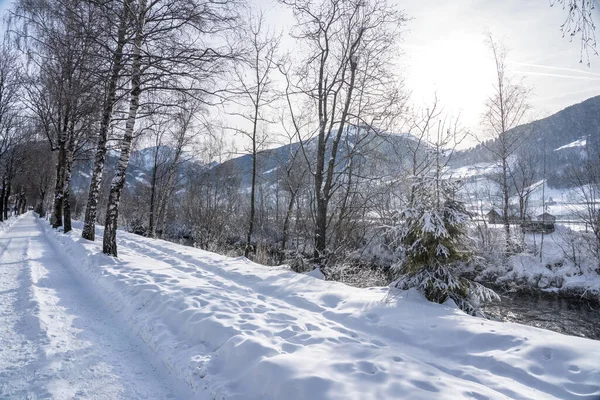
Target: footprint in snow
373	318
547	354
574	369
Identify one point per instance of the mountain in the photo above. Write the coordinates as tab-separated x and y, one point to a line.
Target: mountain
383	148
562	140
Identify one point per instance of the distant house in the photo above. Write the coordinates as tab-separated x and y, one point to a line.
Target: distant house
494	217
546	217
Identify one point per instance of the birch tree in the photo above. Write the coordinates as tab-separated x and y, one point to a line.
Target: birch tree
56	38
506	108
122	12
579	22
109	245
9	91
174	49
254	76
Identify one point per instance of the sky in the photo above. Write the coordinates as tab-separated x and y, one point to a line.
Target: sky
444	53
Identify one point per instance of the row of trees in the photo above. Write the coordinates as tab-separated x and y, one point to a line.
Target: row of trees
82	82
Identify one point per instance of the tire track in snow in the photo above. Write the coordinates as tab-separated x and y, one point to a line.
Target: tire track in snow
56	341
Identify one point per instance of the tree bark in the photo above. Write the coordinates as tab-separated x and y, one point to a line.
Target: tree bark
67	181
6	197
57	214
286	224
151	224
91	209
116	188
505	190
252	189
2	204
323	189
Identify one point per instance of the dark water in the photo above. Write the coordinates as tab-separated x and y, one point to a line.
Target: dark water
568	316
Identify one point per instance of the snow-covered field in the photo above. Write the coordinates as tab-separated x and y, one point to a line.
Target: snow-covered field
231	329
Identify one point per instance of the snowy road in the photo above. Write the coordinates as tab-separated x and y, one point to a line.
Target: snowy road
56	341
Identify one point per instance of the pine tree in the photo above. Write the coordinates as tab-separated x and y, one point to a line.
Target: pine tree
431	243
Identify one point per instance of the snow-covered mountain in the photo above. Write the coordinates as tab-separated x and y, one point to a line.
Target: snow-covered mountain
563	140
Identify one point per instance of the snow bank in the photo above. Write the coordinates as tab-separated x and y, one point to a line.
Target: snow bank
567	264
4	225
232	329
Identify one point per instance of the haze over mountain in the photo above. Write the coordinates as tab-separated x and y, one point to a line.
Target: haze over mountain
563	138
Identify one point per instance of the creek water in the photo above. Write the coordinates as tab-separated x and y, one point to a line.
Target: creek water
570	316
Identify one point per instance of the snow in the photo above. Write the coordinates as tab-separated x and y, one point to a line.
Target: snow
142	180
229	328
567	264
270	171
57	340
5	225
474	170
578	143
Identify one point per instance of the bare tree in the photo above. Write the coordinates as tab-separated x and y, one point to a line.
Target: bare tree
9	122
254	76
166	58
524	175
110	97
110	226
344	75
505	109
181	136
57	40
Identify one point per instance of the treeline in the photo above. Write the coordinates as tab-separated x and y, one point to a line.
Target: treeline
83	83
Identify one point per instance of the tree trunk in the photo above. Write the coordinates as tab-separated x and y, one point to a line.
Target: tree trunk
151	225
286	224
252	197
2	204
57	214
67	181
22	203
6	197
116	188
323	188
505	192
169	187
40	209
89	226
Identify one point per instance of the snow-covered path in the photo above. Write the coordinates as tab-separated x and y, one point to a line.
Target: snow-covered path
56	339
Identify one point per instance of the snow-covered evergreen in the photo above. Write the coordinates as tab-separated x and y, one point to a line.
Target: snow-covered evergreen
431	243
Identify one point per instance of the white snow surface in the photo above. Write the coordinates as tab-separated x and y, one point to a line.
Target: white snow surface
232	329
578	143
5	225
57	341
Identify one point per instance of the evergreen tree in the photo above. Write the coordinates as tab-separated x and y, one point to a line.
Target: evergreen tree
431	243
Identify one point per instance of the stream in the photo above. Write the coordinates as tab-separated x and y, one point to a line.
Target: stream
569	316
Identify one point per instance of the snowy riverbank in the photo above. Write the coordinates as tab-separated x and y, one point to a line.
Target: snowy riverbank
566	265
232	329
